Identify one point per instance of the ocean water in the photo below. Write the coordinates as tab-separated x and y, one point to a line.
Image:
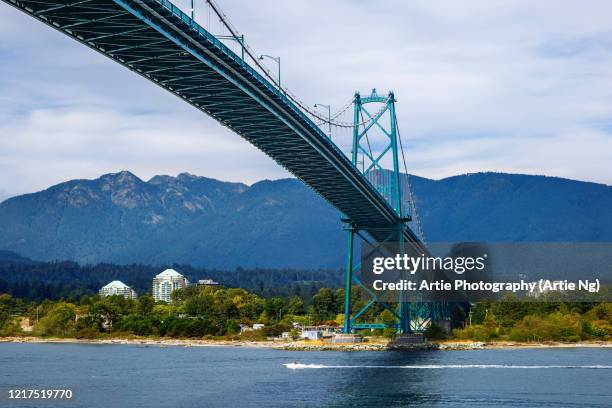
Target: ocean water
139	376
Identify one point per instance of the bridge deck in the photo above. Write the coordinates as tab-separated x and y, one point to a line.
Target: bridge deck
156	40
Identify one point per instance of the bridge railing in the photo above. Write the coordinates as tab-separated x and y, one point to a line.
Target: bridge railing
238	59
273	88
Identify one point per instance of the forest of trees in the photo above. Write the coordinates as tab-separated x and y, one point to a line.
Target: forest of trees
30	280
213	311
196	311
61	299
548	319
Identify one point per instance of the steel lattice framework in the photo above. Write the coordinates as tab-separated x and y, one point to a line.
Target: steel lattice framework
388	184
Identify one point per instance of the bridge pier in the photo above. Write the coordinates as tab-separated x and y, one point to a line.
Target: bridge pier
349	282
402	312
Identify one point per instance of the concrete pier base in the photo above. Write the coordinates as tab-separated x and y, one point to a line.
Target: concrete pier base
406	339
346	338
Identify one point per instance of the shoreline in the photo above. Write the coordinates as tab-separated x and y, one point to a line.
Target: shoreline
370	345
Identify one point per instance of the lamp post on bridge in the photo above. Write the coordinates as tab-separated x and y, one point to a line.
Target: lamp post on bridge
277	60
322	105
238	38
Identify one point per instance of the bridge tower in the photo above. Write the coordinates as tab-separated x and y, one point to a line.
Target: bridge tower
375	144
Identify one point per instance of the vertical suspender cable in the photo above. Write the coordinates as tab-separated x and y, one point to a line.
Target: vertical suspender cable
415	214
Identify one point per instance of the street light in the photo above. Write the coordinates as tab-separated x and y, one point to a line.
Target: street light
322	105
238	38
277	60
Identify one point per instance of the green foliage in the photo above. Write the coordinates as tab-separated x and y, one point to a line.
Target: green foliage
476	332
479	311
557	326
175	326
435	332
140	325
602	311
11	328
324	305
145	305
457	317
213	311
9	308
70	281
6	306
87	333
276	330
274	308
107	311
550	320
60	321
295	306
294	334
302	320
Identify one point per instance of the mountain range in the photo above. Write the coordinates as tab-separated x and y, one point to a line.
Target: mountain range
205	222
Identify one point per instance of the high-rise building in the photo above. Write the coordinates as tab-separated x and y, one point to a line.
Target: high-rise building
118	288
167	282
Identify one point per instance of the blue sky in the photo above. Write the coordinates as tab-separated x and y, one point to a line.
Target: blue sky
513	86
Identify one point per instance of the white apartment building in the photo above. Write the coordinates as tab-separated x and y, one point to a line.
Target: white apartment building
167	282
118	288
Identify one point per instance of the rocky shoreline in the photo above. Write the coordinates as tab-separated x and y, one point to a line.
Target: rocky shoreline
371	345
435	346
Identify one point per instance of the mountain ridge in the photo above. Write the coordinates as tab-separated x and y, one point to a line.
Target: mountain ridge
191	219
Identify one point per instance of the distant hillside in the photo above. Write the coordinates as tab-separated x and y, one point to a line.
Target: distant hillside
498	207
203	222
10	257
186	219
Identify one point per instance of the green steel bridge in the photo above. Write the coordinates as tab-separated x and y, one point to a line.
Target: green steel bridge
158	41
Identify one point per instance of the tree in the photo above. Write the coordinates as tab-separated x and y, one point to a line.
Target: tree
457	317
389	320
200	305
479	311
105	312
295	306
145	305
434	332
6	302
274	308
59	321
323	304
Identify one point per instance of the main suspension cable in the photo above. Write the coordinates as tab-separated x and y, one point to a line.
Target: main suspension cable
249	51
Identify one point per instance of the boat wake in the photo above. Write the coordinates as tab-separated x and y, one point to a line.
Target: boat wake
299	366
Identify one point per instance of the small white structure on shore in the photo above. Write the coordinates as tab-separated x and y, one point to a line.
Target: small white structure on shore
245	327
118	288
312	333
318	332
167	282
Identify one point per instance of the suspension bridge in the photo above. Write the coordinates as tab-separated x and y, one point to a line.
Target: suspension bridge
158	41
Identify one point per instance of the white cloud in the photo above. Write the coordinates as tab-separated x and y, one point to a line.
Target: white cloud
47	146
511	86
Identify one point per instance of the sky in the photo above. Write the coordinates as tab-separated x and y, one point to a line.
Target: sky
508	86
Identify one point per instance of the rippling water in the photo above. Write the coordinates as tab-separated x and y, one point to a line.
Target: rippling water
137	376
